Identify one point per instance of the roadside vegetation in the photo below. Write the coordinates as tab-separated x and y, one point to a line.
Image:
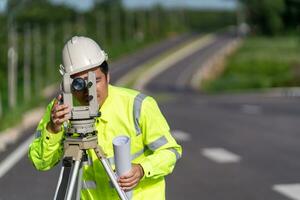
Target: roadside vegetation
261	62
269	56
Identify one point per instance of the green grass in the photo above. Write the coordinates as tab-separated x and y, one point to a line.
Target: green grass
260	63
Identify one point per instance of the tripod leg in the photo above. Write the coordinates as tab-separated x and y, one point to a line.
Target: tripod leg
84	160
59	182
73	180
110	173
63	180
79	183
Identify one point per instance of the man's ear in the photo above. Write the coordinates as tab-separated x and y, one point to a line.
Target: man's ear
108	77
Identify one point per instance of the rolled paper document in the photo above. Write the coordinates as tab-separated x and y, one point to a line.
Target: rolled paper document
121	145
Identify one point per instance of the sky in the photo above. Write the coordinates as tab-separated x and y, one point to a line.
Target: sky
84	5
2	5
207	4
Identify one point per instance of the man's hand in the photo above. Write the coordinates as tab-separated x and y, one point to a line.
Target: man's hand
132	178
57	117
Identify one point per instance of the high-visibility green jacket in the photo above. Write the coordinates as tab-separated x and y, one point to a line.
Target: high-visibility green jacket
124	112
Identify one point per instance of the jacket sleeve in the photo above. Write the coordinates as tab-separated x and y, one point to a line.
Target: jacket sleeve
157	137
46	149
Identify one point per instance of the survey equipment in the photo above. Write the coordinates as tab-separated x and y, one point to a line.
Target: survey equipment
80	136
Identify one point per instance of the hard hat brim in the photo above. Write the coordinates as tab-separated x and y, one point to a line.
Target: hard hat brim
86	67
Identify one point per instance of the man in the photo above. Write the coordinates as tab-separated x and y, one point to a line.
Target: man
123	111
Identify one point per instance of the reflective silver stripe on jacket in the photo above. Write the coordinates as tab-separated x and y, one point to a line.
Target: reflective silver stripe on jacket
137	104
157	143
111	160
38	133
175	152
88	185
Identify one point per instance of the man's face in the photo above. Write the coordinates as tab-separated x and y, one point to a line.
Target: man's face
102	86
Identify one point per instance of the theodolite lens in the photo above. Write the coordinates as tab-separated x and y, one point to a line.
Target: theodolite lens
78	84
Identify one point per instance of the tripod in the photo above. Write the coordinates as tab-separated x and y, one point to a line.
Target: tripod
74	155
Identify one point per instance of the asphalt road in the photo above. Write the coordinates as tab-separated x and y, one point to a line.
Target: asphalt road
260	130
265	137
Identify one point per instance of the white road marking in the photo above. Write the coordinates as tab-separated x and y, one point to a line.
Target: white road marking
14	157
170	60
181	136
251	109
291	191
220	155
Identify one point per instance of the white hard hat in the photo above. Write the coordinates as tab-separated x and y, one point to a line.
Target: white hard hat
80	54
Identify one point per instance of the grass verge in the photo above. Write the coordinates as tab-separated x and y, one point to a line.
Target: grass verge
260	63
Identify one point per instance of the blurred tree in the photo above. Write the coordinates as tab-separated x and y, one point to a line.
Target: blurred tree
273	16
265	15
106	4
291	16
39	12
12	5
